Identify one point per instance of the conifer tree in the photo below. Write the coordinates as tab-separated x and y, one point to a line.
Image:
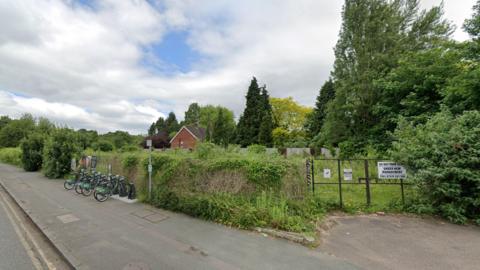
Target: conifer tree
266	125
316	118
249	123
192	115
221	132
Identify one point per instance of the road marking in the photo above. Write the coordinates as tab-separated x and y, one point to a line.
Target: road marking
5	204
68	218
27	248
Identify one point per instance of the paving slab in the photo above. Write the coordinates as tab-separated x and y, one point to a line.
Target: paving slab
108	236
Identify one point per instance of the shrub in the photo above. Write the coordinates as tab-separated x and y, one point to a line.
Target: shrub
58	152
256	149
11	156
129	148
104	146
32	151
205	150
130	161
444	156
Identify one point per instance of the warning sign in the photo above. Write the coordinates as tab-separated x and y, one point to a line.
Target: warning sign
391	170
327	173
347	174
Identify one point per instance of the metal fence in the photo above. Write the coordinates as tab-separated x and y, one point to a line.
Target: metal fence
338	178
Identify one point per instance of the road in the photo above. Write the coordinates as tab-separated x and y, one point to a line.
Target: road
118	235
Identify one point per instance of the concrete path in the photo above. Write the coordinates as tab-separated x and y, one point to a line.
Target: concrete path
401	242
13	249
116	235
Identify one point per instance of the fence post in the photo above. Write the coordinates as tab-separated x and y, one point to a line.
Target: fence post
340	184
313	176
367	183
403	194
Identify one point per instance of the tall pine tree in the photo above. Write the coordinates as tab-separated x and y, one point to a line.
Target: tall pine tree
249	124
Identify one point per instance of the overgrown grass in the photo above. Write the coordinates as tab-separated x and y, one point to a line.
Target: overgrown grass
11	156
246	189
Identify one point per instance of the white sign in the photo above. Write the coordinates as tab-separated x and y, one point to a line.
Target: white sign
150	168
149	143
391	170
347	174
327	173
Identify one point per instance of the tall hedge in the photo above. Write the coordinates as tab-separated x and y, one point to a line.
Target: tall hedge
444	156
58	152
32	151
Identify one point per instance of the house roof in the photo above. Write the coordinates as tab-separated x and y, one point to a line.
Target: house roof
197	132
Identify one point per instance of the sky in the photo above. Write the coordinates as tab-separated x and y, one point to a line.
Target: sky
120	64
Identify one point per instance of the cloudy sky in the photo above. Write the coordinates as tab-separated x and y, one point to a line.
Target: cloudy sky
120	64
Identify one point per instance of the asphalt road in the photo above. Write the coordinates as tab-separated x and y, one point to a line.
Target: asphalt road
13	254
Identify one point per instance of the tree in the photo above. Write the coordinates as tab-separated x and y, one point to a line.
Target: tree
45	126
267	124
472	25
171	123
12	133
316	118
152	129
287	113
373	36
58	152
32	152
192	115
4	120
221	130
86	138
249	124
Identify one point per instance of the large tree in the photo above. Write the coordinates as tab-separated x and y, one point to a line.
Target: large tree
171	123
316	118
192	115
267	124
249	123
373	36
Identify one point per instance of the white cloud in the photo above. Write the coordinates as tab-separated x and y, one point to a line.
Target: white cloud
81	65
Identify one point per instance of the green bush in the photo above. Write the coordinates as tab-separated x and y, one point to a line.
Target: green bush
130	161
103	146
205	150
58	152
256	149
129	148
32	151
444	156
11	156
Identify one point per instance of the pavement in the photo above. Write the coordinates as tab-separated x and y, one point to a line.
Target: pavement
118	235
13	249
403	242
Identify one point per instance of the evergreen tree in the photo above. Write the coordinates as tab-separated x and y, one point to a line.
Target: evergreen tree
171	123
192	115
249	123
316	118
152	129
160	124
221	131
266	125
373	36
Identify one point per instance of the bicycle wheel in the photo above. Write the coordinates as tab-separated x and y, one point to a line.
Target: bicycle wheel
68	184
87	191
100	196
78	188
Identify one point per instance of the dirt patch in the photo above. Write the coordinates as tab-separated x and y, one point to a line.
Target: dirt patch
402	242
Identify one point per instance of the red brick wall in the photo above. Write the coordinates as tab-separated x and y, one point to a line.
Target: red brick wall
184	140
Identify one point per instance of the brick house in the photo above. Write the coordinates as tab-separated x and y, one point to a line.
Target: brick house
187	137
